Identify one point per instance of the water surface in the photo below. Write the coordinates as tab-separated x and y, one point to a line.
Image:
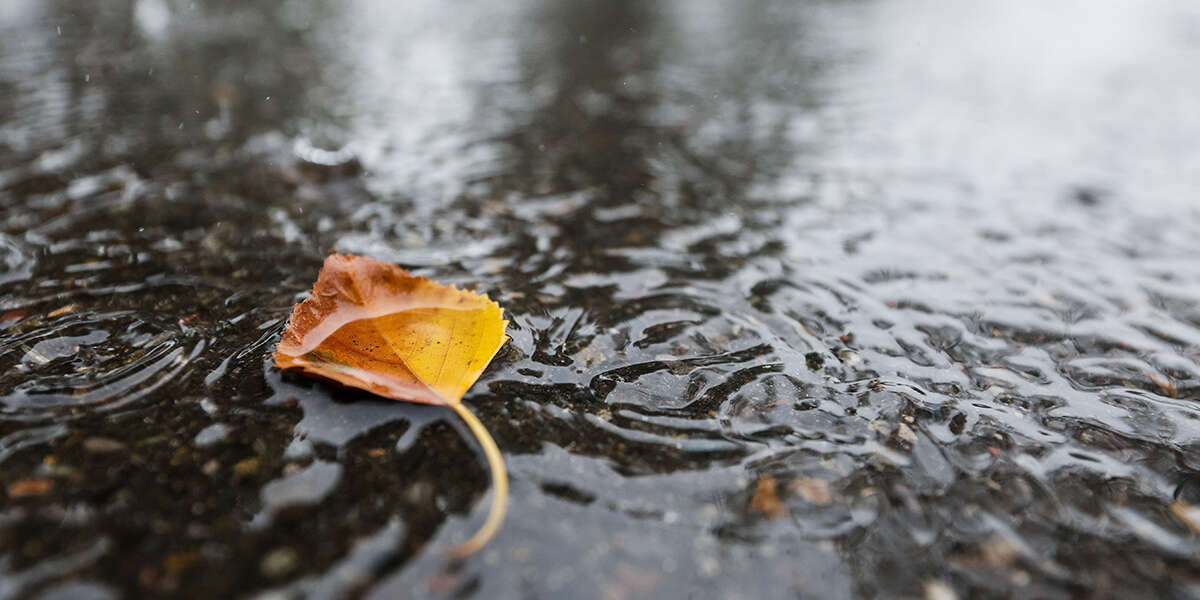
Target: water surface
829	300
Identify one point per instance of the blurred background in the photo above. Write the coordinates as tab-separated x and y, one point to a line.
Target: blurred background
809	299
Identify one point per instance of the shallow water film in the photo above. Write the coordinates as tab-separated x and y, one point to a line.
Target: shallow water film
874	299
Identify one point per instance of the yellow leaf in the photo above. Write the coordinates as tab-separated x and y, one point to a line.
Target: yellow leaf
376	327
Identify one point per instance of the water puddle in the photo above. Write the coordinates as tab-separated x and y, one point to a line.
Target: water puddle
882	299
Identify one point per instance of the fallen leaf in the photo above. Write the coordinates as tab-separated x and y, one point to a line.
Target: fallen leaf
1188	513
766	498
13	316
58	312
374	326
1166	385
29	487
814	491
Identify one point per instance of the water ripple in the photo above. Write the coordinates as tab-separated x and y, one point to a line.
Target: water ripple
842	290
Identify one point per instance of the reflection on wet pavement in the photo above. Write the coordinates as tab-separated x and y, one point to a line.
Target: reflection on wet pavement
875	299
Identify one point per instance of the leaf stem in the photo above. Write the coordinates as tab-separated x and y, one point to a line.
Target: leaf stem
499	484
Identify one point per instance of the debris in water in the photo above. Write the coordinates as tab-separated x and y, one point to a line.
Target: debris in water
765	500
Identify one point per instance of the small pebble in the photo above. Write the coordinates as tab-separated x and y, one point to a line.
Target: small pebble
849	357
211	435
938	590
279	562
246	467
101	445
